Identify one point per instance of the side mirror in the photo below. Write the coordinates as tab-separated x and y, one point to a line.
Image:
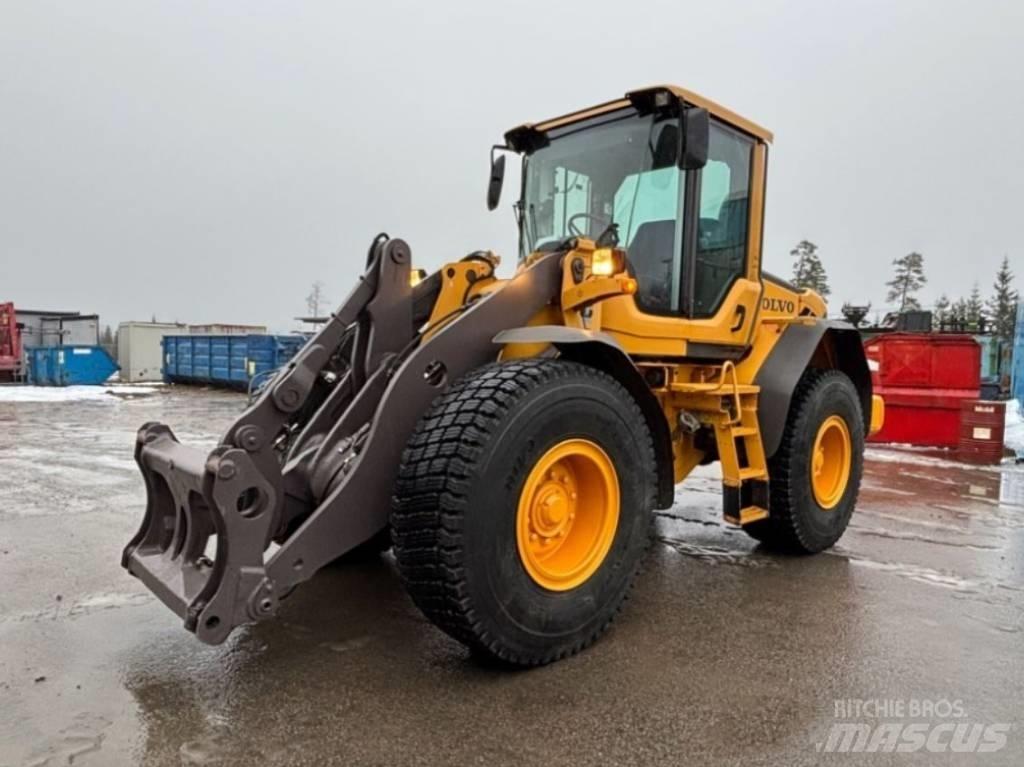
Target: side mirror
693	154
496	181
667	146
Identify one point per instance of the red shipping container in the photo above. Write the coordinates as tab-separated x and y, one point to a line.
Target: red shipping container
924	379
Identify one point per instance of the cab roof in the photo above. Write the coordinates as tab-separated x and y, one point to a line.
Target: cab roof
691	98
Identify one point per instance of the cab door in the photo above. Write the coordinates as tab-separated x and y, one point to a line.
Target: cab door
721	259
702	299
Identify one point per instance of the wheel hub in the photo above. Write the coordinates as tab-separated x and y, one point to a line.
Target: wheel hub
553	510
831	458
568	513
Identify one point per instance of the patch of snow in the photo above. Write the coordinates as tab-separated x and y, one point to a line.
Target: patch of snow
128	388
71	393
1014	434
910	458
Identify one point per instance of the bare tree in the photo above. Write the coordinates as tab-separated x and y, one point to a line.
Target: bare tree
316	299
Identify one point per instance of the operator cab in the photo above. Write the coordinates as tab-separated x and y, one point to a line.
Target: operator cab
672	179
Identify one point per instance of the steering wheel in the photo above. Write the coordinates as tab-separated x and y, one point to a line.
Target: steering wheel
575	230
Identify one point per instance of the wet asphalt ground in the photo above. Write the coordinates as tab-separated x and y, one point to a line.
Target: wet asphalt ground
724	655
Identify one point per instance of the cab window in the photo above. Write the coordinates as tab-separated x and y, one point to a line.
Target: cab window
721	254
647	206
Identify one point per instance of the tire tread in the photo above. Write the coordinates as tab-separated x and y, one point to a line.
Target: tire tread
783	530
435	479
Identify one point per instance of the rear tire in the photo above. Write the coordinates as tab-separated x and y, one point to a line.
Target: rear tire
805	518
470	470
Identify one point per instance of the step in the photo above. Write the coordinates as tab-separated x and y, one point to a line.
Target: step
748	514
745	431
752	472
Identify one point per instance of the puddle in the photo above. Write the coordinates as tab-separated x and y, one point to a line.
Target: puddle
716	555
898	536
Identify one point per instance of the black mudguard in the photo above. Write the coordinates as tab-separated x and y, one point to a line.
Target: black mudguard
789	359
600	350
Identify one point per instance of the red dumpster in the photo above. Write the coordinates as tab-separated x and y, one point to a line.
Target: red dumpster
924	379
10	344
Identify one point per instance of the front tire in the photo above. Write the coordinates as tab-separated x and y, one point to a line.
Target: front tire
522	508
814	476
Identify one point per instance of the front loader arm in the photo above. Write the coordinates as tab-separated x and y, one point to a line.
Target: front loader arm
311	463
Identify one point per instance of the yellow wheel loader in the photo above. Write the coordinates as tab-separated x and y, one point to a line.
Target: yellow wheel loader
512	437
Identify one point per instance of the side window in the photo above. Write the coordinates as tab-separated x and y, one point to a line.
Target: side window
722	229
561	194
571	197
646	207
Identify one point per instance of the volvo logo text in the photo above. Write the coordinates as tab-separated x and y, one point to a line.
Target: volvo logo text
778	305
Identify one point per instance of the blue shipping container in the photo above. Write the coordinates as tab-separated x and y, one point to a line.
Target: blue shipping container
1017	385
228	360
73	365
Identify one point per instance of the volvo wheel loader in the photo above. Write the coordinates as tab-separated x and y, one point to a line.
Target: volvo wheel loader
512	437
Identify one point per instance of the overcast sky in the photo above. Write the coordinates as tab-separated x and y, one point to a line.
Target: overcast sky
208	161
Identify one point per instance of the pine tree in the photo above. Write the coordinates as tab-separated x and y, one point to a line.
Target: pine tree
974	309
1002	307
808	271
941	312
909	279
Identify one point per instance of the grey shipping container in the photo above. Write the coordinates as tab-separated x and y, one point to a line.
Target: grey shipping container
140	350
35	324
79	330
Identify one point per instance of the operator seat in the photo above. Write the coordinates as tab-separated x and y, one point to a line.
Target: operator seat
650	260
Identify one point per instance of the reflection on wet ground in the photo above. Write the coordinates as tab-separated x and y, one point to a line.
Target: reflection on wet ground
724	655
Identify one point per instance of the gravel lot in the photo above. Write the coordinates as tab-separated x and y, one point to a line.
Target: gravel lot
725	654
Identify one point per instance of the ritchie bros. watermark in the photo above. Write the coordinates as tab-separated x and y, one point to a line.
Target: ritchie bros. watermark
888	725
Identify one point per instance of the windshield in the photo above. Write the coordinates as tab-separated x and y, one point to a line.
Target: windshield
616	182
587	182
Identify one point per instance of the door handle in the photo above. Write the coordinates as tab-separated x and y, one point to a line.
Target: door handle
741	317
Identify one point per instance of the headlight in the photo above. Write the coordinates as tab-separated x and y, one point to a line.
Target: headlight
603	262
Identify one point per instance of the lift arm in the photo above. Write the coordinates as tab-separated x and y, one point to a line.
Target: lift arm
311	463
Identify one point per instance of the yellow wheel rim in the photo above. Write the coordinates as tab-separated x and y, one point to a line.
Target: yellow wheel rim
830	461
568	513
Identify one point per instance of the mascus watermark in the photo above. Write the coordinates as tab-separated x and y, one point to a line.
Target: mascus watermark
888	725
